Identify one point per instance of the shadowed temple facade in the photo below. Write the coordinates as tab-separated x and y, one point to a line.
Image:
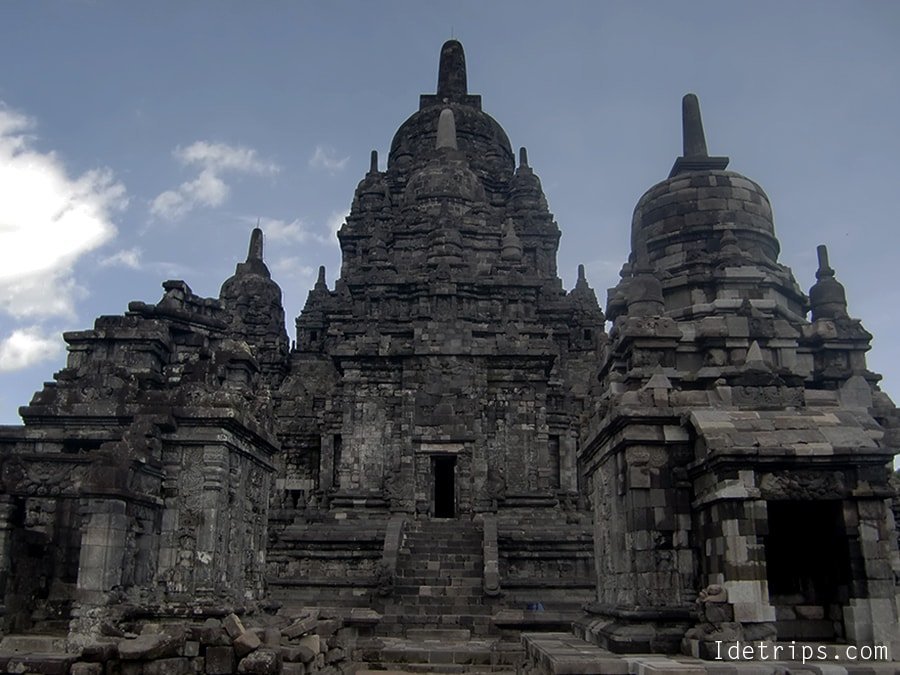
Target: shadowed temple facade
457	448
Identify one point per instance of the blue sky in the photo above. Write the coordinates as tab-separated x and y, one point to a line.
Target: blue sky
142	141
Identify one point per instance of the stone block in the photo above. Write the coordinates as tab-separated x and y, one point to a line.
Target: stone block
191	648
293	669
219	660
334	655
82	668
174	666
212	633
263	661
100	652
233	626
293	653
300	627
327	627
312	642
150	646
246	643
271	637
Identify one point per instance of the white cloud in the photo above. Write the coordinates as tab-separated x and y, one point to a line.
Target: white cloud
130	258
25	347
282	230
48	220
208	188
293	267
223	157
326	158
299	231
335	221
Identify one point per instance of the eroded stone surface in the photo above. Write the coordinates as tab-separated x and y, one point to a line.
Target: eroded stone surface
454	445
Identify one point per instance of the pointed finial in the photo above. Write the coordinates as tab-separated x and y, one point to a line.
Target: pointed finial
692	127
695	157
256	245
581	275
452	71
373	162
320	282
824	268
523	157
755	359
827	297
446	131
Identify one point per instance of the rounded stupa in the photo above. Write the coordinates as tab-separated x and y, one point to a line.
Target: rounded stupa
479	136
684	222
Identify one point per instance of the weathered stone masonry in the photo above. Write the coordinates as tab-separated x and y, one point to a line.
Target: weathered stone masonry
456	443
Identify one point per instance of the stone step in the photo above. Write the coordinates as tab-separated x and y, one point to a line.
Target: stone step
46	664
435	591
466	655
413	619
436	610
441	579
30	643
443	634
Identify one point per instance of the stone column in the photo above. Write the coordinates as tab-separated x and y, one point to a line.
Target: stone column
215	483
735	517
7	507
872	620
102	553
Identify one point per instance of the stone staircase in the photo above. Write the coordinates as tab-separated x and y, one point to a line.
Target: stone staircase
438	652
438	583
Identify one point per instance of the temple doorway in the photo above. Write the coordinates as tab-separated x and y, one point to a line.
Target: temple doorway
444	472
808	565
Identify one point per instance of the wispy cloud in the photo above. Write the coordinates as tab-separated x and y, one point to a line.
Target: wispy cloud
335	221
129	258
326	158
27	346
300	231
208	188
293	267
48	221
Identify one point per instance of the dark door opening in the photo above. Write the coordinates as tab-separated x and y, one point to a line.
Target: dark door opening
444	487
808	567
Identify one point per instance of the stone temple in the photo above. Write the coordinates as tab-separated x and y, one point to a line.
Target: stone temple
458	465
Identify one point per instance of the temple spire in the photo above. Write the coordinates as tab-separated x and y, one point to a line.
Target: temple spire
827	298
446	131
694	140
452	71
256	245
695	156
523	157
321	284
373	162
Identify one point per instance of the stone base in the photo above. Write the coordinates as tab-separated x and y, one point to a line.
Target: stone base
634	634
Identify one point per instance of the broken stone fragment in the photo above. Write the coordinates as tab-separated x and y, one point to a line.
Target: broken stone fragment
245	643
175	666
219	660
293	653
271	637
233	626
327	627
263	661
100	652
300	627
312	642
86	669
149	647
212	633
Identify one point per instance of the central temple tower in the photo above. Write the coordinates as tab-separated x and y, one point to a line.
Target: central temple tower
445	372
